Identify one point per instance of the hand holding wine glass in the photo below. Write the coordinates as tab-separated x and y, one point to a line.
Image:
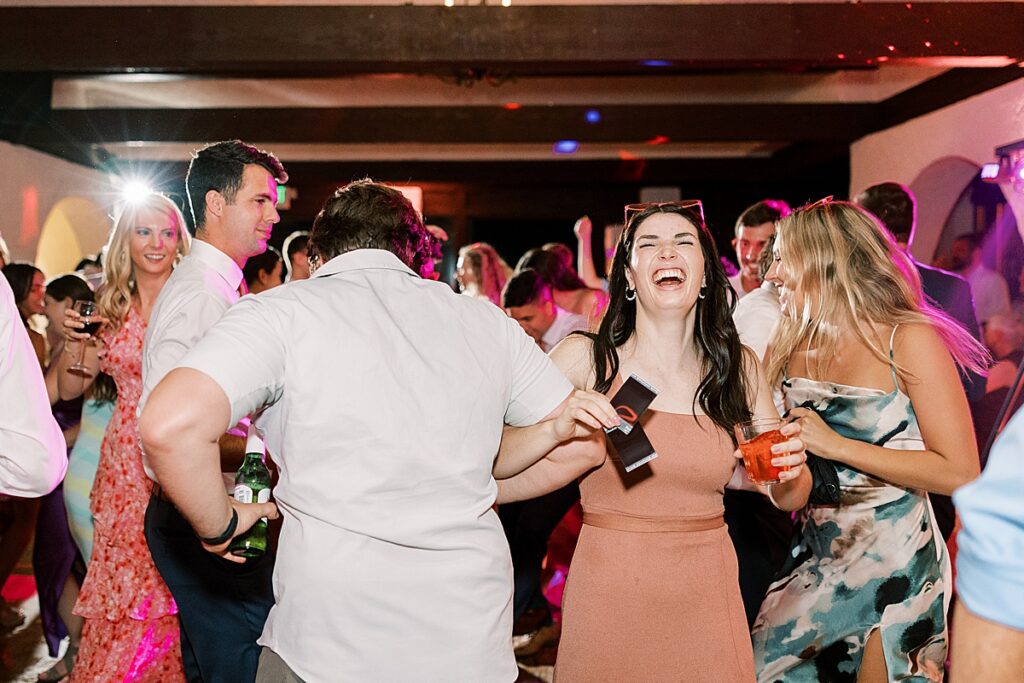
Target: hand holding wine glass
80	324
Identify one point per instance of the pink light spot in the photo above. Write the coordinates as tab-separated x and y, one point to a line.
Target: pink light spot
29	215
956	42
910	5
891	48
927	43
840	56
658	140
883	58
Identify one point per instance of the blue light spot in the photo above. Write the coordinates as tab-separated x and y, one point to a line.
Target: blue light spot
566	147
656	62
593	116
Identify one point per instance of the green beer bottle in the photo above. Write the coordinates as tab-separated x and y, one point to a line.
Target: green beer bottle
252	485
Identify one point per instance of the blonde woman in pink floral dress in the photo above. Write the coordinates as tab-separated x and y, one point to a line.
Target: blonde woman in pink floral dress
131	628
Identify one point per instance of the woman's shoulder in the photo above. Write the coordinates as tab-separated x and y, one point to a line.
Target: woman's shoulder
574	356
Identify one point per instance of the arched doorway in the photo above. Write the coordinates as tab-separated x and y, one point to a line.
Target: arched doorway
75	227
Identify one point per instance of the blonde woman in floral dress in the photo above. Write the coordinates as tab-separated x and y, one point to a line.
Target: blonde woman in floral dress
131	628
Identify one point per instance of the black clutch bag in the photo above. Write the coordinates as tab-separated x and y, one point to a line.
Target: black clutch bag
824	477
824	481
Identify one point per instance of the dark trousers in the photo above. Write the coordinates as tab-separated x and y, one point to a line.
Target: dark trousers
222	606
528	524
761	535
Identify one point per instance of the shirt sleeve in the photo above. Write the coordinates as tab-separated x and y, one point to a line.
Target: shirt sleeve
174	334
33	454
244	353
990	556
537	385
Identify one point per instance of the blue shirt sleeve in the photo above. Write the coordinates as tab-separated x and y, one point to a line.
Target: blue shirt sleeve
990	559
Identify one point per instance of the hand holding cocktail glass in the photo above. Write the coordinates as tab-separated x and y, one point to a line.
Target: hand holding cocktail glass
81	322
772	450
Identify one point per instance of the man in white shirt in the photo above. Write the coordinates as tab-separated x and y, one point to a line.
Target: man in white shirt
757	313
753	228
991	293
529	301
383	396
232	193
33	455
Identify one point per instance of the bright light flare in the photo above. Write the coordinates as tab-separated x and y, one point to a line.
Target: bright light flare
135	191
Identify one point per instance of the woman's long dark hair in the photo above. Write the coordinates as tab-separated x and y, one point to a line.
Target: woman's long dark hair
723	392
553	269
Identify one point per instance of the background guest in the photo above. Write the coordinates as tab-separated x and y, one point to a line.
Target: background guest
481	272
568	290
263	271
295	249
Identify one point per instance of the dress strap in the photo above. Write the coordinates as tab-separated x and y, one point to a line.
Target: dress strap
892	358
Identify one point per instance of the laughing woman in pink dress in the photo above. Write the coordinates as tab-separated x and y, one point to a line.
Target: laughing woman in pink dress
131	626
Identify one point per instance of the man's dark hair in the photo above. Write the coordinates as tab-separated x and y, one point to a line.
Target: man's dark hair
894	206
765	211
88	261
220	167
368	215
71	286
527	286
264	263
295	242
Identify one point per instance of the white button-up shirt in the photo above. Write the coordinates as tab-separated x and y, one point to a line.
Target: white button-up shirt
201	288
564	324
33	455
387	394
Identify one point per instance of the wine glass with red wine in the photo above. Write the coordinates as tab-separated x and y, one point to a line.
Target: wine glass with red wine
86	309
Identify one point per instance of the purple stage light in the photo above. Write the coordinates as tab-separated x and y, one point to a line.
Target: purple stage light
566	147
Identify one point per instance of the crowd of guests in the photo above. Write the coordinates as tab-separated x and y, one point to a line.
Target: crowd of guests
420	436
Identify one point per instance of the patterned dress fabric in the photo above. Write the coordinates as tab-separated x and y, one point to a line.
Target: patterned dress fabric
874	562
653	591
131	626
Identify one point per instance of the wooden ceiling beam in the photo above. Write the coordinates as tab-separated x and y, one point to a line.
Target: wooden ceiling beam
521	39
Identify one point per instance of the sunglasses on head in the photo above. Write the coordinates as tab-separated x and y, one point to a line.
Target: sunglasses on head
633	209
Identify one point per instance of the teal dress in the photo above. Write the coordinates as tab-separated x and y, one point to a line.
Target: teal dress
874	562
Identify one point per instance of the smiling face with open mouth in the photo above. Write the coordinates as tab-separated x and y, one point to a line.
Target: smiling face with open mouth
154	241
666	265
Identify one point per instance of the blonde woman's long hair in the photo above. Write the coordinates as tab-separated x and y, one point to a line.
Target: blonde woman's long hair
118	287
851	273
490	269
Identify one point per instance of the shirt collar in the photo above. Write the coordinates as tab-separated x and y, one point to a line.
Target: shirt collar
217	260
363	259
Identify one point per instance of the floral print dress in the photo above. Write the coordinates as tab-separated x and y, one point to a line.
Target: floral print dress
131	626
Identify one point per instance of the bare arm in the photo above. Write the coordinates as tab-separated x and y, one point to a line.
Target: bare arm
984	650
181	426
792	492
562	463
581	414
951	456
584	230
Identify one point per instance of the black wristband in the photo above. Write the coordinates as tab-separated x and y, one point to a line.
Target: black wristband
228	533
